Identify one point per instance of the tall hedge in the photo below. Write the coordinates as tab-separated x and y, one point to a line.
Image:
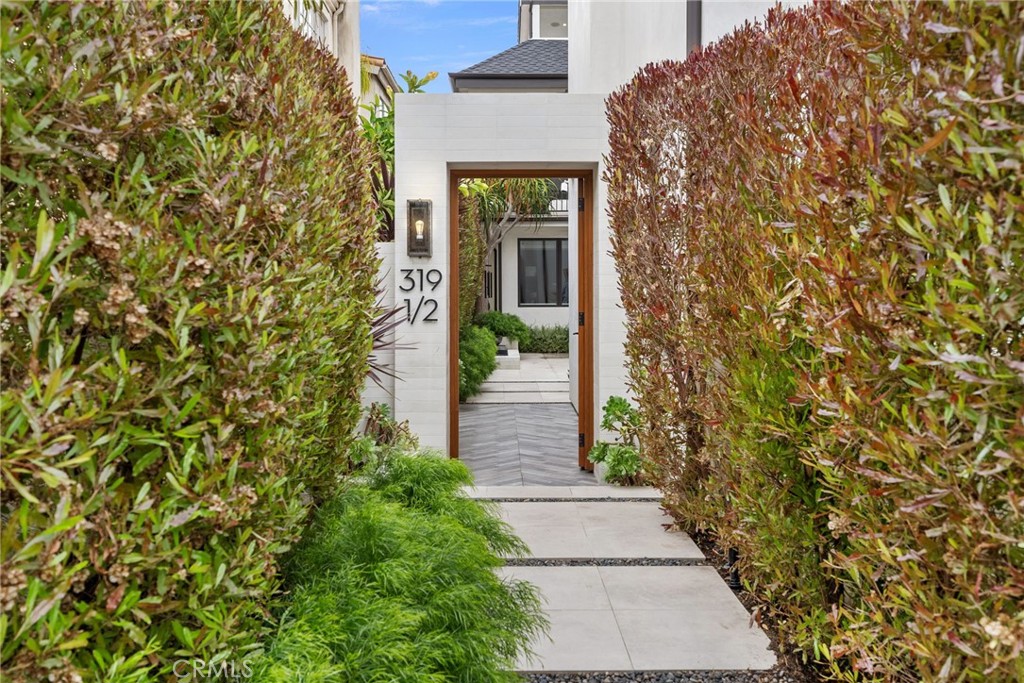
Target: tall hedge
187	289
818	228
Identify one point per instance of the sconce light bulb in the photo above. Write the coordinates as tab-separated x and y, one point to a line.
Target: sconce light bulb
419	231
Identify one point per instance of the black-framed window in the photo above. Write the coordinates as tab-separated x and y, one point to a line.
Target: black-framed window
543	272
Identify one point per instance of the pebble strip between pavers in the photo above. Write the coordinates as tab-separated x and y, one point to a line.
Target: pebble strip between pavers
627	598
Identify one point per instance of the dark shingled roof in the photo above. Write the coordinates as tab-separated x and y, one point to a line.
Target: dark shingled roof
529	58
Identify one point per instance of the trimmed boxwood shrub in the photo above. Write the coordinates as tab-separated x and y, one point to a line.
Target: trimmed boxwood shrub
478	357
187	289
505	325
547	339
817	225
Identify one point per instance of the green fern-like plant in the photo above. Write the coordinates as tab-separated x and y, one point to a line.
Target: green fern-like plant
395	581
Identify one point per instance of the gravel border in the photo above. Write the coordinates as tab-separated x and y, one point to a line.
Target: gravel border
607	562
770	676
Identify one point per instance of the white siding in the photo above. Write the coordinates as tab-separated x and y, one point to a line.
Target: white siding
720	17
610	41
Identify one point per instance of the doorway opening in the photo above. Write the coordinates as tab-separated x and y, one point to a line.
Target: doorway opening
522	262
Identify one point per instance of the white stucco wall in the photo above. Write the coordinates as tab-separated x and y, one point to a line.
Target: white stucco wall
335	26
609	41
372	393
436	132
721	17
531	315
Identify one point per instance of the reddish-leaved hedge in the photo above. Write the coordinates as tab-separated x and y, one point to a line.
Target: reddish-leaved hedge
817	224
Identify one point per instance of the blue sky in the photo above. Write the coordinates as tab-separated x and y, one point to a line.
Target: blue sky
436	35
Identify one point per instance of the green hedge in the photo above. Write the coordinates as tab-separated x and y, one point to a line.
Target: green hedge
478	357
505	325
187	289
817	225
553	339
395	581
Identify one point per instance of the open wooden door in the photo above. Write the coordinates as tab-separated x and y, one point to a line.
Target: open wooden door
582	327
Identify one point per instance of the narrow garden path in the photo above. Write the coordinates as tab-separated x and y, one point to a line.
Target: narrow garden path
623	594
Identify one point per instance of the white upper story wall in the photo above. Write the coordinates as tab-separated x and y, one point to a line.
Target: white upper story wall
335	26
543	19
610	40
721	17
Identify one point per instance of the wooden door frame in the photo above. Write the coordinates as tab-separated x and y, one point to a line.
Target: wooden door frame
585	296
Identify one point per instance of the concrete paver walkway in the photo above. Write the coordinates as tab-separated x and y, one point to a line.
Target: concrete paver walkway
677	615
540	378
609	529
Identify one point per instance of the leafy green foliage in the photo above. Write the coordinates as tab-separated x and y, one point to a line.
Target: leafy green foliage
546	339
472	252
623	462
383	436
187	290
416	84
478	357
622	458
395	581
378	126
488	209
823	275
385	430
505	325
379	131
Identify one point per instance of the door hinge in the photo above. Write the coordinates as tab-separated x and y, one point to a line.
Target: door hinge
581	203
582	439
581	318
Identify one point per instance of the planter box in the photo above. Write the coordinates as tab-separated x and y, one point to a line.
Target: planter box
508	354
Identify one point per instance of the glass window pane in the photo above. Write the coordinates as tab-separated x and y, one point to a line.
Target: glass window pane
551	274
543	272
554	22
563	247
531	271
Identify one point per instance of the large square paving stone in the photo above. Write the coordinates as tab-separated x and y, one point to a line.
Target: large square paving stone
613	529
660	618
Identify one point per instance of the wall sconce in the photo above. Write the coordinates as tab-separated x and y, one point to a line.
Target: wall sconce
420	228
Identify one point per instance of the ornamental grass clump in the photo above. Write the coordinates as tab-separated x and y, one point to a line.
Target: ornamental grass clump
817	224
395	581
187	293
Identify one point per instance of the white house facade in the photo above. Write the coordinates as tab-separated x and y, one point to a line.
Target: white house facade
525	110
334	24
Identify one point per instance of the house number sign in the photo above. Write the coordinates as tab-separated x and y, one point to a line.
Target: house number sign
423	282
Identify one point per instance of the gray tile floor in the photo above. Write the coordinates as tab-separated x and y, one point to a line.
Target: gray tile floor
521	444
